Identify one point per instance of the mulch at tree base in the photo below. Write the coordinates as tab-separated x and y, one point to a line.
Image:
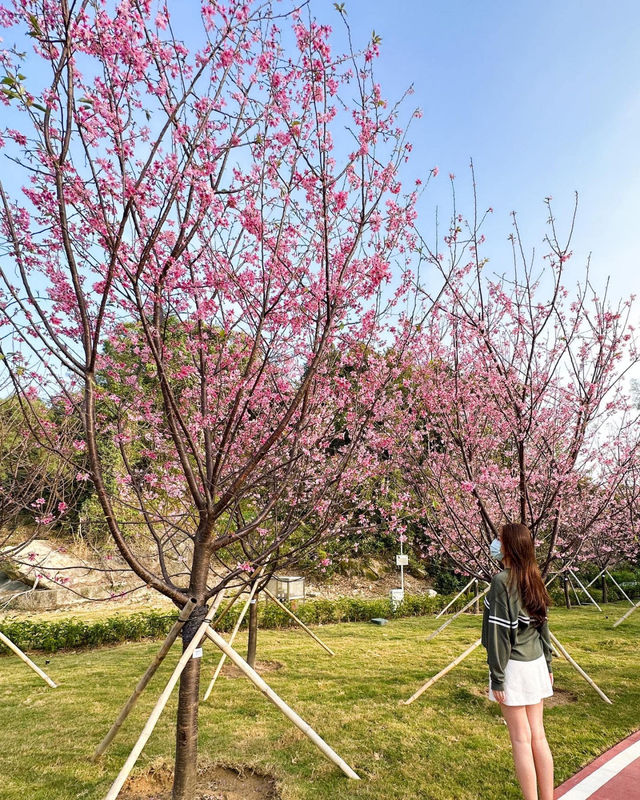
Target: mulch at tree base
560	697
215	782
231	671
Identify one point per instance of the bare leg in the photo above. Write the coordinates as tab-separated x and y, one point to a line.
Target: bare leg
520	735
541	752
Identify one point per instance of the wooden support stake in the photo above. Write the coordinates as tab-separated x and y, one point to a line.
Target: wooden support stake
443	672
185	613
579	669
236	628
620	587
114	791
586	592
457	614
299	621
627	614
23	657
440	613
268	692
591	582
571	583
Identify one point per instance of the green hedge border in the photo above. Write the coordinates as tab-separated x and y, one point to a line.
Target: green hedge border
73	633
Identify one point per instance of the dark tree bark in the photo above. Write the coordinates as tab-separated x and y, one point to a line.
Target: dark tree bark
252	645
604	588
184	781
565	586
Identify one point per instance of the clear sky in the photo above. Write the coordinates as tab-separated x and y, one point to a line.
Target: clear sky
544	95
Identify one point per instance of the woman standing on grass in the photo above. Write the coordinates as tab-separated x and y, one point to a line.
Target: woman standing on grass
516	636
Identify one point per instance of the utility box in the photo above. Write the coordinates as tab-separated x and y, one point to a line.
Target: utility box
287	587
396	596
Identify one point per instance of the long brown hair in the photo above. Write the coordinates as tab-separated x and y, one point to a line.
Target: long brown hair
517	547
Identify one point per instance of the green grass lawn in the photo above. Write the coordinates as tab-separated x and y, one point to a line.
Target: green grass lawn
451	744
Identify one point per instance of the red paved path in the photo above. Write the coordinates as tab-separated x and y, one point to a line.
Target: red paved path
625	785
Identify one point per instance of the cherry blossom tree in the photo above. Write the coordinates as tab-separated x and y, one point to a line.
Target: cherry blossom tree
518	403
198	268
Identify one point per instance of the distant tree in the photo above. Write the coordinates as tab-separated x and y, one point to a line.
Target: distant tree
518	401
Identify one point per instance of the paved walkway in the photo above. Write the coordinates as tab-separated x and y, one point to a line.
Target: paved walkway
615	775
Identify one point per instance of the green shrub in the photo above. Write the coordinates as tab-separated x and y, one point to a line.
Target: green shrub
73	633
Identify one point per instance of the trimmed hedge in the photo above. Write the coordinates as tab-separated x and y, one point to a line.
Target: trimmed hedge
73	633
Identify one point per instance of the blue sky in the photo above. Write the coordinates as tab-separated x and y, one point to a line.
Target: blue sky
545	96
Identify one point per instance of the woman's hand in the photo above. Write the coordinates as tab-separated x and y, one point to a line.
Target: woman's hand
499	696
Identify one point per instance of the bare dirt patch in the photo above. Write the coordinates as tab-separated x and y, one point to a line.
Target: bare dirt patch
560	697
215	782
231	671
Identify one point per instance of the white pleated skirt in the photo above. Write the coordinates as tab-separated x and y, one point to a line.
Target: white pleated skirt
525	682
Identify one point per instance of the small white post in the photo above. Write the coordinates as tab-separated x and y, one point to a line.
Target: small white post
460	593
268	692
23	657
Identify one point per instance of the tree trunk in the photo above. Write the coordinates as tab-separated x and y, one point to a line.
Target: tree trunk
253	633
565	586
184	779
604	588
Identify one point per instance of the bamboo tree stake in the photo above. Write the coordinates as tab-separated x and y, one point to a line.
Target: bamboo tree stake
185	613
117	785
620	587
299	621
457	614
579	669
236	628
627	614
443	672
585	591
591	582
573	586
268	692
440	613
23	657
